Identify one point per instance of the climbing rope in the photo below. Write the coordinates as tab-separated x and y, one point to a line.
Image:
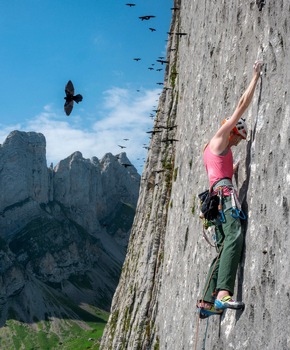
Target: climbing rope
202	300
205	334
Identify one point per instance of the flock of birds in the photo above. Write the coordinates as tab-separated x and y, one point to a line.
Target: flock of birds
70	96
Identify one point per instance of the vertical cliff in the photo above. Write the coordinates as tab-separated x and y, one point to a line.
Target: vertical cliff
168	259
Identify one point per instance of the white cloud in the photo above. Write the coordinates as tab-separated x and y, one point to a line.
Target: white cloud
125	114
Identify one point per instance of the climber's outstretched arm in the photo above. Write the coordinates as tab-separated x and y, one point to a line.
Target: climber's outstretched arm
221	139
248	94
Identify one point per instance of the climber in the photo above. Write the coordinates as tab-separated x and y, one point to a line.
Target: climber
218	160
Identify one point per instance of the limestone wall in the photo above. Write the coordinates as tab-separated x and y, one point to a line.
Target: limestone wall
167	260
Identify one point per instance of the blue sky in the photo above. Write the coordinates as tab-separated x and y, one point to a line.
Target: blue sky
45	43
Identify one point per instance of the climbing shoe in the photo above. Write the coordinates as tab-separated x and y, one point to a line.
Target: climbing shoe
204	313
228	303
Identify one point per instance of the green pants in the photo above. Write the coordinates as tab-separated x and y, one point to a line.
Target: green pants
223	269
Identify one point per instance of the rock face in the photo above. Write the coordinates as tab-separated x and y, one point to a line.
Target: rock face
65	229
168	259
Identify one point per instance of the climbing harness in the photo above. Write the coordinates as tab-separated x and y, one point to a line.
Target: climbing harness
214	204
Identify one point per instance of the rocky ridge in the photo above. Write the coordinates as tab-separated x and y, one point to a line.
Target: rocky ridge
63	231
168	259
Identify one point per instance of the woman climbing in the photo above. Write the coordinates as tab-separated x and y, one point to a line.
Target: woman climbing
218	160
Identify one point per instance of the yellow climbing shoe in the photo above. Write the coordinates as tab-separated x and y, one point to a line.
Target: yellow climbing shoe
228	303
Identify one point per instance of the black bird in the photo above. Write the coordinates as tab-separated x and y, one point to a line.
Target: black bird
174	8
122	146
130	5
152	29
126	165
70	98
159	83
180	34
162	61
169	140
137	59
165	127
150	68
159	69
146	17
153	132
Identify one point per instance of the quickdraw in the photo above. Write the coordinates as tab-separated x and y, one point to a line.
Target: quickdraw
236	210
222	218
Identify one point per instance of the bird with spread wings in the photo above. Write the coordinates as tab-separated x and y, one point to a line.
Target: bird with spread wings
70	98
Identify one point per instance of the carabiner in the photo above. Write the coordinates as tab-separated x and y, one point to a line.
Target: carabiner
236	211
222	218
242	215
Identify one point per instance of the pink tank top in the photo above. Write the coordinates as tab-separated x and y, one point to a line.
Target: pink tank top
218	167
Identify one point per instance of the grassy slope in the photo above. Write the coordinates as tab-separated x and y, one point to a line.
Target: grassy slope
55	334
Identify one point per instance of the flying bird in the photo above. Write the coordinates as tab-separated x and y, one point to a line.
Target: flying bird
153	132
152	29
130	5
150	68
146	17
162	61
159	83
159	69
169	140
122	146
70	98
126	165
165	127
137	59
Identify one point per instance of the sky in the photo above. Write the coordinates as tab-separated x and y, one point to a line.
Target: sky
93	43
